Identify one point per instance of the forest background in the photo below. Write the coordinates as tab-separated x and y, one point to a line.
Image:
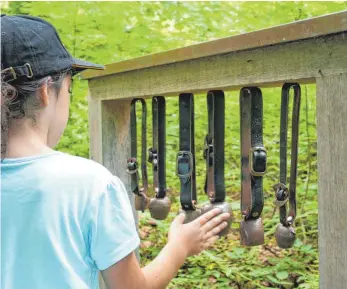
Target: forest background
106	32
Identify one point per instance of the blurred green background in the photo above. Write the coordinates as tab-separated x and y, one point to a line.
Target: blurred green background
106	32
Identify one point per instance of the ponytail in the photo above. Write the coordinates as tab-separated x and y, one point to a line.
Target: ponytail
8	94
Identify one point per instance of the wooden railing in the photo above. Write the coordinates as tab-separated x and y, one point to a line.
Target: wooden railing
309	51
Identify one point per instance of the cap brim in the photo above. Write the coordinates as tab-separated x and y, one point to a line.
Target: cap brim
79	65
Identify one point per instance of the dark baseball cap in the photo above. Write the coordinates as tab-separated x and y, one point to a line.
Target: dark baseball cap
31	49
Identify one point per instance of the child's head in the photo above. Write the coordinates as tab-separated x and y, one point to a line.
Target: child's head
41	105
36	76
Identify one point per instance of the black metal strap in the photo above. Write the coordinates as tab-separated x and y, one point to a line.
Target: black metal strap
186	155
253	153
283	195
214	147
132	163
157	152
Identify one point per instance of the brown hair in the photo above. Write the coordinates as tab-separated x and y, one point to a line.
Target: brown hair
18	100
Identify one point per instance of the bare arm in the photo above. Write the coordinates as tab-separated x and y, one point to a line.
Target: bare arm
184	240
127	273
164	267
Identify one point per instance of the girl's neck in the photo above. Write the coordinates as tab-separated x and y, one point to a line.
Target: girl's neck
25	142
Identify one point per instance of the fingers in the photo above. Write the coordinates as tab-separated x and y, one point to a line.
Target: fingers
202	220
211	224
215	230
210	242
179	219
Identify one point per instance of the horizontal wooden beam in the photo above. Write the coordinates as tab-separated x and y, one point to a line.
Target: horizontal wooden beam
305	29
300	61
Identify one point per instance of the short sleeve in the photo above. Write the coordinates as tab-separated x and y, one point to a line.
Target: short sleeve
112	229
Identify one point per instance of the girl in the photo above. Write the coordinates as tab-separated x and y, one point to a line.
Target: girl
65	218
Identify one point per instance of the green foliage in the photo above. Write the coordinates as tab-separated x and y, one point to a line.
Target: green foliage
107	32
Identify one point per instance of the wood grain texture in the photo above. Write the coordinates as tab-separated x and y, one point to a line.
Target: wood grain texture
116	141
109	124
332	181
266	66
95	144
298	30
95	136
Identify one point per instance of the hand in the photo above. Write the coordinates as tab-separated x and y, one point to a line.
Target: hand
199	234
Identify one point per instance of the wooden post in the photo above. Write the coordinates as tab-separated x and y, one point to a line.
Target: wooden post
95	137
332	180
109	129
116	141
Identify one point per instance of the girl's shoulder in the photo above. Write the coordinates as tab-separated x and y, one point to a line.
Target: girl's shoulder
80	169
78	164
61	171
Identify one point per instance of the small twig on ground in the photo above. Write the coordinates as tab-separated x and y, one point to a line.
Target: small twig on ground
268	248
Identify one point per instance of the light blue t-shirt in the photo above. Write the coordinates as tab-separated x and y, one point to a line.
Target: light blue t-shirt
63	218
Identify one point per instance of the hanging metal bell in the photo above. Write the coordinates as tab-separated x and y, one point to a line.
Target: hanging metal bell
226	208
285	236
159	208
252	232
190	215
